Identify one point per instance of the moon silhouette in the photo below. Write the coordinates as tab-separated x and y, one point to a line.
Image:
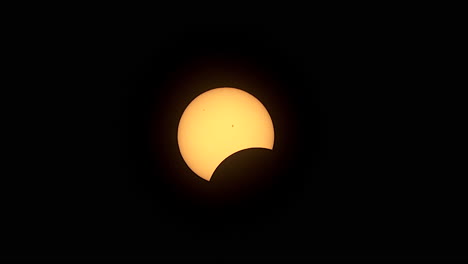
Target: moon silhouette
219	123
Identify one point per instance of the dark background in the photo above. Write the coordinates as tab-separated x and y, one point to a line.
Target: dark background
99	174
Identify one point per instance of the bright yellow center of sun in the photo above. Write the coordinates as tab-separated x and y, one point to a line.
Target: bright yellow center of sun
219	123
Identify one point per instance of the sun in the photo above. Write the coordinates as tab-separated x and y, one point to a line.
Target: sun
219	123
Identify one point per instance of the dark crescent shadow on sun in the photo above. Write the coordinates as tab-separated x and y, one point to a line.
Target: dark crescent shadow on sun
243	172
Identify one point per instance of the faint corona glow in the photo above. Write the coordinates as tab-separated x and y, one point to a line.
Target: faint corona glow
219	123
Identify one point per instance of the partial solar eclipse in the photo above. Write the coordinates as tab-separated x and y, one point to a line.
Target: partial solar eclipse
219	123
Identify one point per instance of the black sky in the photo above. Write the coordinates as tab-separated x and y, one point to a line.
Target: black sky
100	175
